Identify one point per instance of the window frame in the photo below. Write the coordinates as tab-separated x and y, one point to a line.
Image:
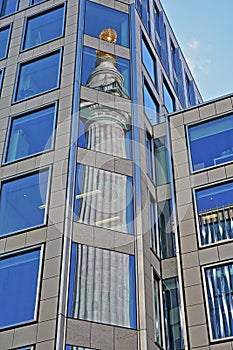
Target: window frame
188	141
27	19
203	187
31	4
154	79
37	58
153	204
8	26
206	299
9	14
2	71
39	282
146	86
22	115
159	307
166	86
23	175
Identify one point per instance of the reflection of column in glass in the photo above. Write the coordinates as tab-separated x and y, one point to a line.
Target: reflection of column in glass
104	199
105	132
102	287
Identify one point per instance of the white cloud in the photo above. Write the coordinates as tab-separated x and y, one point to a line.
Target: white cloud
193	44
199	65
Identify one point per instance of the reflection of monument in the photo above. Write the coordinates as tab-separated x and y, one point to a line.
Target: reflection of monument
105	129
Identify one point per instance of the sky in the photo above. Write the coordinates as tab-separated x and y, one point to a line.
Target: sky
204	30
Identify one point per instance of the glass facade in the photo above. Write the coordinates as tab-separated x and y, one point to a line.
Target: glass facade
162	154
123	66
102	286
211	143
19	274
151	106
25	200
7	7
23	140
43	28
148	60
166	231
105	17
215	213
104	199
172	315
29	82
105	129
4	40
143	7
157	310
219	282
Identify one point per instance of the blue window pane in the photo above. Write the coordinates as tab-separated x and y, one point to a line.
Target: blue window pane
215	212
102	286
23	202
104	199
168	99
31	134
148	60
4	40
43	28
89	59
211	143
8	7
219	281
38	76
151	107
26	348
19	275
106	17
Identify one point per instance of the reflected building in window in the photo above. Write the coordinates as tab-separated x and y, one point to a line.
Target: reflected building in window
116	213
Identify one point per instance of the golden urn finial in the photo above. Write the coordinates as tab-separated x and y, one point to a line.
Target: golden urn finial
109	35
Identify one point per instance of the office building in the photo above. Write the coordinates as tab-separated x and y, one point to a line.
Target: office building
115	203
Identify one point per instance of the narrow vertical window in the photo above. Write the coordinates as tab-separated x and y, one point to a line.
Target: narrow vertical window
151	107
152	222
162	161
1	79
172	315
148	60
168	98
157	310
149	155
166	229
4	40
